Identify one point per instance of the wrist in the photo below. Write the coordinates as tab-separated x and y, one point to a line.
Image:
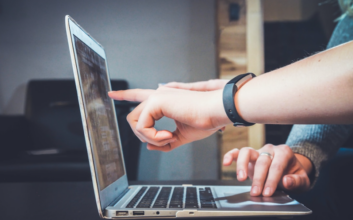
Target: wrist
216	109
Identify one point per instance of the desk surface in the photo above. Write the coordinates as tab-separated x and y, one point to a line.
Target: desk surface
63	200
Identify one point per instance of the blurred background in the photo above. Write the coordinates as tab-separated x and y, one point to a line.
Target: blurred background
147	42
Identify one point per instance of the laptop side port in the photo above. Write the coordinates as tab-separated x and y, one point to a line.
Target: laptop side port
121	213
138	212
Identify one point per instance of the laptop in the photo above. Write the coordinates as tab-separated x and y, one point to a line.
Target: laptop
114	196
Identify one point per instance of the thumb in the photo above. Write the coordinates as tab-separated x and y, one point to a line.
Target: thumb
297	182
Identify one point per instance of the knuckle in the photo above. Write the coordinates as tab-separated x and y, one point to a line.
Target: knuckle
286	151
154	100
153	97
286	148
268	146
245	150
139	129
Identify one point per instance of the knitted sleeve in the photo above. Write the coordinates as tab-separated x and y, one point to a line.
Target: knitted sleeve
318	142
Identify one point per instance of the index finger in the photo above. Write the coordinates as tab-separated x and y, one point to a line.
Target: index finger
133	95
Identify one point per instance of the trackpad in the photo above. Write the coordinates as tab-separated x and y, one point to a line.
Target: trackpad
239	197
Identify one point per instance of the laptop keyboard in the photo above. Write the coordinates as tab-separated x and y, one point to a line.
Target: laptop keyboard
173	197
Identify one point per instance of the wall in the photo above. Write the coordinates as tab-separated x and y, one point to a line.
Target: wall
147	42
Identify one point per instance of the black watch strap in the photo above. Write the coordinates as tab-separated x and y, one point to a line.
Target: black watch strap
228	98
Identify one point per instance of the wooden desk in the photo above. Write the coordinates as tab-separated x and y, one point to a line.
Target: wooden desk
63	200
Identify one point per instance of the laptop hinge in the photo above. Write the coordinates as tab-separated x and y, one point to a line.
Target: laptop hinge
115	201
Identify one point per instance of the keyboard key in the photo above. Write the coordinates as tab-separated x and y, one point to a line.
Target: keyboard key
148	198
206	198
163	197
134	200
177	198
191	200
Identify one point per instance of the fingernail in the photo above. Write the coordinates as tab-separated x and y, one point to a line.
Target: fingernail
255	190
267	191
289	181
241	174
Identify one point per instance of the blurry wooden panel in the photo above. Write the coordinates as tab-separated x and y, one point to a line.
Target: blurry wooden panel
232	38
239	22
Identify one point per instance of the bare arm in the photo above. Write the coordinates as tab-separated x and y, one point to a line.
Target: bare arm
315	90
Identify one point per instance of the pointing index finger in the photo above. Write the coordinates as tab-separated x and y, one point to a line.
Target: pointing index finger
133	95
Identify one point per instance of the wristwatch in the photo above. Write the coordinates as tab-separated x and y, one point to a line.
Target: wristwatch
228	98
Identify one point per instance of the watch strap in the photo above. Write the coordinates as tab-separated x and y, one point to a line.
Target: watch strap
228	98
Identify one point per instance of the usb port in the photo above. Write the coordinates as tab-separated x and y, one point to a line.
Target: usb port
138	212
121	213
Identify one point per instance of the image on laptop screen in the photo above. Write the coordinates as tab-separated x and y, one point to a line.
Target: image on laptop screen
99	115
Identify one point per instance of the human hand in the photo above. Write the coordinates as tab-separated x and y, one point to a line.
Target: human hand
197	115
287	170
202	86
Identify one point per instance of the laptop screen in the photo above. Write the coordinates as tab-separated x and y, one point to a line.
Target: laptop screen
103	131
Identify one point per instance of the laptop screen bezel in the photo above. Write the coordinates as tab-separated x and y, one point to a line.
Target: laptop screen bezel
106	196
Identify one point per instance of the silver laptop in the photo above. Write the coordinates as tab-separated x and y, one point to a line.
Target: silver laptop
114	196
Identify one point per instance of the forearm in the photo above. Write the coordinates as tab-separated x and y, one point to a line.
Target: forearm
315	90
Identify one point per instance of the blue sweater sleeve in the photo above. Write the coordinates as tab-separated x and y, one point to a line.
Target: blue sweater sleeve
318	142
